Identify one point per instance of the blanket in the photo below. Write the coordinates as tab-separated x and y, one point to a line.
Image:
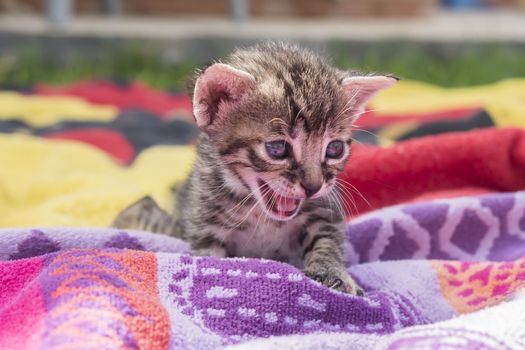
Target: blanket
420	264
435	232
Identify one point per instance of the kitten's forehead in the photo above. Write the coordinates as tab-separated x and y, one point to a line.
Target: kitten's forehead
302	88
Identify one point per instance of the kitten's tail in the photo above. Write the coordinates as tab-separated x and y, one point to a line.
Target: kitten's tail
146	215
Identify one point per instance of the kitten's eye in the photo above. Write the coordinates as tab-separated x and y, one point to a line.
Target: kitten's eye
335	149
277	149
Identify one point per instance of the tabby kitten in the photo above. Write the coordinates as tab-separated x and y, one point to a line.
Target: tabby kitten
276	130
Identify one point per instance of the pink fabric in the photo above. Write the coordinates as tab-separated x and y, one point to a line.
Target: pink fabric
22	309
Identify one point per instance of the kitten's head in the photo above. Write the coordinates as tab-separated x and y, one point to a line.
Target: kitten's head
280	118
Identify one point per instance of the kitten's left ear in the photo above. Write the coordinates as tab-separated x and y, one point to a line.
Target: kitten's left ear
360	89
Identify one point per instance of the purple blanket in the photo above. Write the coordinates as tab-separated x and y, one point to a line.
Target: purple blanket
444	274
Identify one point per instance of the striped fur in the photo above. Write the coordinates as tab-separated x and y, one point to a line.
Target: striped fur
270	92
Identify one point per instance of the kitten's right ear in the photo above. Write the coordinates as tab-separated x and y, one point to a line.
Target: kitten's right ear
360	89
217	90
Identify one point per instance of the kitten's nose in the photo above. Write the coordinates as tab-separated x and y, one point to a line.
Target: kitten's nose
311	188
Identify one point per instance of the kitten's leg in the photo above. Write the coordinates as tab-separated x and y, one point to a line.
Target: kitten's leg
206	244
322	244
146	215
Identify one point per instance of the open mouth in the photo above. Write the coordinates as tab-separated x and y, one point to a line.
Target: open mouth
278	206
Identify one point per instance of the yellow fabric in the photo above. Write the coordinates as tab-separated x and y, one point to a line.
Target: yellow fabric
66	183
505	100
40	111
388	136
63	183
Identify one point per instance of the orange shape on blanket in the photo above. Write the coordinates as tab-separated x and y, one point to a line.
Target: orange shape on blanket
470	286
117	291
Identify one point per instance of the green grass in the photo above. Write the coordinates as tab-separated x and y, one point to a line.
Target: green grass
31	66
471	65
463	66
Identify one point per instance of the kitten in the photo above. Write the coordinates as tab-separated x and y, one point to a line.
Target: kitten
276	130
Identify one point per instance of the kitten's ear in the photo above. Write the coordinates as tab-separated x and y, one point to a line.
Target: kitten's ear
360	89
217	90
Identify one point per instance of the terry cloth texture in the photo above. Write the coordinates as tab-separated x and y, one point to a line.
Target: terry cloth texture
421	265
435	235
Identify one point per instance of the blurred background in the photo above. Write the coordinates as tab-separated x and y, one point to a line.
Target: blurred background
93	113
448	42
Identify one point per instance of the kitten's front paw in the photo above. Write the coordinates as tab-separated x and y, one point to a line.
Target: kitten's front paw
335	278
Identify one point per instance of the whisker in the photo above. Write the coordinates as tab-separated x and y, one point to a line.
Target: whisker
352	187
333	195
345	207
263	193
349	199
368	111
371	133
245	217
329	200
345	196
254	232
244	200
357	141
338	204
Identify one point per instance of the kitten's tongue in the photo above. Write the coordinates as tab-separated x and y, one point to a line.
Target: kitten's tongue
284	204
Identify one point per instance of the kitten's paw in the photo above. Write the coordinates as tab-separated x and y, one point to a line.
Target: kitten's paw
334	278
216	251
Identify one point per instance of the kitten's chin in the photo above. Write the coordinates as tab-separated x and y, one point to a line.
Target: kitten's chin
275	205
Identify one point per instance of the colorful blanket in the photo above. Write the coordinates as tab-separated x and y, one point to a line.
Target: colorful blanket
110	289
436	230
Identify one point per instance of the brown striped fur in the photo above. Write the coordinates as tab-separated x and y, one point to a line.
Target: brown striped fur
261	94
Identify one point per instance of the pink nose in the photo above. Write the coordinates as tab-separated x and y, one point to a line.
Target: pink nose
311	189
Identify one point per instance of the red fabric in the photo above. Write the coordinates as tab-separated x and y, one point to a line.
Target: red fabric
372	120
136	95
452	193
452	164
109	141
139	95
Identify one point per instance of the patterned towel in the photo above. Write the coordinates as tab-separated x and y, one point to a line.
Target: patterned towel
153	295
